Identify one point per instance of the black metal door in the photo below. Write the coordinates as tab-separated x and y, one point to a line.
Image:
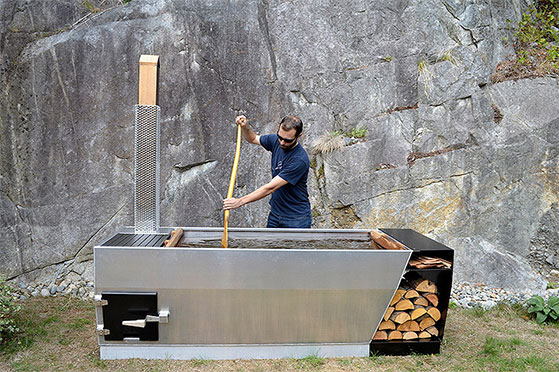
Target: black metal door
126	306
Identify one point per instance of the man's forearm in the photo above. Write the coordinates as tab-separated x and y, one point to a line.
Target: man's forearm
249	135
257	194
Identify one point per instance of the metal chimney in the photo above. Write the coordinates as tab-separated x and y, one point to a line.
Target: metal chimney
147	151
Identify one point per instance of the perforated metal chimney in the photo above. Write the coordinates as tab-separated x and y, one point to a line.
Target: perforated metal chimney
147	151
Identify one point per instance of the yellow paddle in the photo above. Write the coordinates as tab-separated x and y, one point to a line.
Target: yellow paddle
232	185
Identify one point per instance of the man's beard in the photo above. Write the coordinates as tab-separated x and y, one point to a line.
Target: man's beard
289	147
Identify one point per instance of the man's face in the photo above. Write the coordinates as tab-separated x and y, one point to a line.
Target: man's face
287	138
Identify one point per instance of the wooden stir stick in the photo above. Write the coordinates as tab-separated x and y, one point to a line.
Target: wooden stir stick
232	185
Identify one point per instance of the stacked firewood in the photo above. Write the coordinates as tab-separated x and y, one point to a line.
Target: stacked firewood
424	262
412	313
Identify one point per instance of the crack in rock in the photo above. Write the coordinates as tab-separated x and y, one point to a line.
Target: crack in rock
413	156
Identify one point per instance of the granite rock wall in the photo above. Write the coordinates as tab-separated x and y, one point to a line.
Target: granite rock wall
466	162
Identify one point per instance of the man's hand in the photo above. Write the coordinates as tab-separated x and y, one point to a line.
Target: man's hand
249	135
231	203
241	120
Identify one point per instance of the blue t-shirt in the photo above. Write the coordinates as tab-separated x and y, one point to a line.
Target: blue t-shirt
292	199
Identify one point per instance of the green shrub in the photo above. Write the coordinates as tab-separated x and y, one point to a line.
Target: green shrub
356	133
536	44
537	32
8	308
544	312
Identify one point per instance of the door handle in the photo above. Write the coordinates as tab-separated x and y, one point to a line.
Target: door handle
139	323
163	317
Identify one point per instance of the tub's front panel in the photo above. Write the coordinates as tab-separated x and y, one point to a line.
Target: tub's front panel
251	296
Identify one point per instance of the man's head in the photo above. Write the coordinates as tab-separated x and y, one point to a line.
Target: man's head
289	131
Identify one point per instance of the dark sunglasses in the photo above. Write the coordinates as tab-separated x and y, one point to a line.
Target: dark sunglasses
286	140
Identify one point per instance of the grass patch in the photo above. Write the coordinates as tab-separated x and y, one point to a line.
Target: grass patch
425	77
502	341
200	362
80	323
320	172
356	133
518	364
313	163
91	7
495	346
313	361
345	362
448	56
476	312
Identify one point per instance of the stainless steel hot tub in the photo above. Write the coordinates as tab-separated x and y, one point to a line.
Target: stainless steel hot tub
286	293
322	294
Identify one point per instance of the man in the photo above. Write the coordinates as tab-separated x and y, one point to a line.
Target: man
290	206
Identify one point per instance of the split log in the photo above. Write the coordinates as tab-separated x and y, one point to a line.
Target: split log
376	246
418	312
433	330
404	305
397	296
421	301
434	313
388	312
433	298
400	317
410	325
424	335
176	236
424	262
426	323
380	335
385	241
411	293
395	335
387	325
409	336
424	285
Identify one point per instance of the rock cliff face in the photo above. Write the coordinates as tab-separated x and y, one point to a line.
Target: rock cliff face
466	162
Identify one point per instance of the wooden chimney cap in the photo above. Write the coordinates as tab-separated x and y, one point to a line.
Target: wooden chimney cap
147	90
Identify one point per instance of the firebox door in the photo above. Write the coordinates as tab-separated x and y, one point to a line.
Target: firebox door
131	315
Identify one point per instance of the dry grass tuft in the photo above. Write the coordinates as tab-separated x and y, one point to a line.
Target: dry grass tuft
329	142
425	77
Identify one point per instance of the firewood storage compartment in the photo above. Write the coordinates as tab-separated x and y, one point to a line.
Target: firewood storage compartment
440	277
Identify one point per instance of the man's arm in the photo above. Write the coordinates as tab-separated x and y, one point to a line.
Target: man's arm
249	135
259	193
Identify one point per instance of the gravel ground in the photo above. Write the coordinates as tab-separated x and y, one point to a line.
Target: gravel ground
76	279
472	295
463	294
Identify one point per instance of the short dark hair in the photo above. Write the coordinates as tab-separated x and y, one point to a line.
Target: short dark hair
292	122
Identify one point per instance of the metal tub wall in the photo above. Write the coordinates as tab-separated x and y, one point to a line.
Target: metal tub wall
258	296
